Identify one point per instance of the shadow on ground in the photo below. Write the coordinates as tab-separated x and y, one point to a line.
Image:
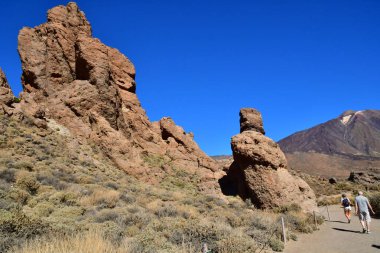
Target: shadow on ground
347	230
337	221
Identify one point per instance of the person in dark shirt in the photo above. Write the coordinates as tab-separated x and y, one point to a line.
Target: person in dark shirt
346	203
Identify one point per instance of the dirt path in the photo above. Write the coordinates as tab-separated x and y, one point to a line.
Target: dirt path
337	236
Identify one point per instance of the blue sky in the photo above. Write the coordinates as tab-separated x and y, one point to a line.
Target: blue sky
299	62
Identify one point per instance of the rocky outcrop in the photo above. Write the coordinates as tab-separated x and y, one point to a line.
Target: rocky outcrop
6	95
250	119
75	80
259	170
365	177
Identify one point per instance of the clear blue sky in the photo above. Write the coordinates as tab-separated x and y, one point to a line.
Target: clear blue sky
299	62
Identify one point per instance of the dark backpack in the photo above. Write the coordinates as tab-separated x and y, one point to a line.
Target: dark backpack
346	202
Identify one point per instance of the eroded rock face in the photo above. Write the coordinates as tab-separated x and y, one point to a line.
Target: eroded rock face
77	81
250	119
260	170
6	95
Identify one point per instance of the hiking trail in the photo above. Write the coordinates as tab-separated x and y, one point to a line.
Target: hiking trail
338	236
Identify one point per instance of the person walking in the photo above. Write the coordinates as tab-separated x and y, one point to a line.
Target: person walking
361	209
346	203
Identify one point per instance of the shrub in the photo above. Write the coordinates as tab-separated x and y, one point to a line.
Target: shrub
8	175
236	244
374	200
16	100
301	222
27	181
112	185
127	198
276	245
23	165
102	197
106	215
66	198
288	208
19	196
154	160
167	211
44	209
16	227
47	178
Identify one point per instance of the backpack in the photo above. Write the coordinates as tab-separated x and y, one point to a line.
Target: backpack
346	202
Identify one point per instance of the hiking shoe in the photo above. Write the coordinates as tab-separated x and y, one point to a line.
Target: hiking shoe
364	231
349	220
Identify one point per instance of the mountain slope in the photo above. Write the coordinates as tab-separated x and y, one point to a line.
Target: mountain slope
349	142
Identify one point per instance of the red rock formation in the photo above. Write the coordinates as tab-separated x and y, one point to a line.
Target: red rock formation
73	79
6	95
259	170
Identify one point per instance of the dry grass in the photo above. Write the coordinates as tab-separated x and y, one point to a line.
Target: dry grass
105	197
88	242
71	188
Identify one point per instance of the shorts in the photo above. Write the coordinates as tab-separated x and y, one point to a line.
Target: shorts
347	208
364	216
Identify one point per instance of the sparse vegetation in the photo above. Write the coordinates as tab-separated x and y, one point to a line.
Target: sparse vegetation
330	194
70	193
374	200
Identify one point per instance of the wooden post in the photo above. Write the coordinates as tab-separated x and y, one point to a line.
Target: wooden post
328	213
283	229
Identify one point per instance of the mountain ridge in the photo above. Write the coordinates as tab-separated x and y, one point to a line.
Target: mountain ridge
350	142
343	135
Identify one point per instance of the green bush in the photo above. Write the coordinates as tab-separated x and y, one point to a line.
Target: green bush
374	200
16	100
27	181
19	196
16	227
276	245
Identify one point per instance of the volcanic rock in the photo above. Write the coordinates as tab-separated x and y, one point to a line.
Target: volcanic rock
6	95
350	142
364	177
250	119
260	171
74	80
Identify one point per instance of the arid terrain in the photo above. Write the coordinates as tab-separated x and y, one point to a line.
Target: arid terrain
83	169
351	142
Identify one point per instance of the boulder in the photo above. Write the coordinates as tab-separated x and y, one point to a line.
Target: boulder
260	172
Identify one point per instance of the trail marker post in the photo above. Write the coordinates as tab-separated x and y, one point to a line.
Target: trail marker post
328	213
283	229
